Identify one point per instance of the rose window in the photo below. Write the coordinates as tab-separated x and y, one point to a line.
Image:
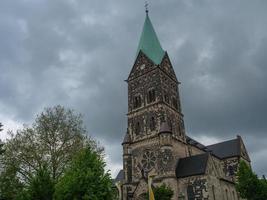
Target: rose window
148	160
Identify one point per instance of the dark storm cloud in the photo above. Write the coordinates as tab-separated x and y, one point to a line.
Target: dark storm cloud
78	53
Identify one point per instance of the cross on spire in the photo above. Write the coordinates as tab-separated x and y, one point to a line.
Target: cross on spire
146	6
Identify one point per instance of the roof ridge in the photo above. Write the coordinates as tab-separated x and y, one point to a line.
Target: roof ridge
222	142
197	155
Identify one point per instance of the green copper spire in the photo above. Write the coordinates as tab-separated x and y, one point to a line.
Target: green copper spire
149	43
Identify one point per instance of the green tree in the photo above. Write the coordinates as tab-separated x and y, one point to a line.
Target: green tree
162	192
10	185
41	186
1	143
53	139
248	185
85	179
55	136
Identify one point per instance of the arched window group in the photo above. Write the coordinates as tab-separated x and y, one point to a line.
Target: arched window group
138	124
171	100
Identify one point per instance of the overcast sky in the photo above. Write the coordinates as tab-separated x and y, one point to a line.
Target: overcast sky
78	54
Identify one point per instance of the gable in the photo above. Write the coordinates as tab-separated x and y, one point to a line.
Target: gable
214	167
243	150
167	67
141	66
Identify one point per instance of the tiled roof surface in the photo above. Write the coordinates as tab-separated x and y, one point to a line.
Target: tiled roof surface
120	176
193	165
226	149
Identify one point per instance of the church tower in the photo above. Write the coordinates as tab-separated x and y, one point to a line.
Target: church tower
155	144
155	136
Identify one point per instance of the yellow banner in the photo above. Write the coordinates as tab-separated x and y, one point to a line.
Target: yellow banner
150	191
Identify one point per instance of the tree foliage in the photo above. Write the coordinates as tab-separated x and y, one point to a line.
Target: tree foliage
41	185
248	184
37	156
10	185
54	137
162	192
1	143
85	178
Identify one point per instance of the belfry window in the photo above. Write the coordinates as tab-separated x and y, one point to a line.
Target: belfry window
137	101
137	128
174	103
166	98
151	97
152	124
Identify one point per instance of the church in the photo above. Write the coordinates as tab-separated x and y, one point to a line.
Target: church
156	143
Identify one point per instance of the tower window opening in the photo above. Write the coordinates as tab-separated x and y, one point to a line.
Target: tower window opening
166	98
137	101
137	128
152	124
151	96
180	131
174	103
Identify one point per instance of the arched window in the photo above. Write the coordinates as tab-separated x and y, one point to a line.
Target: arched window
180	131
137	101
170	124
231	171
174	103
166	98
190	193
226	193
137	128
152	124
213	192
151	96
234	195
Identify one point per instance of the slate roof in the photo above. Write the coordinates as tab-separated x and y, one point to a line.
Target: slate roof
127	138
191	166
119	177
221	150
149	43
195	143
226	149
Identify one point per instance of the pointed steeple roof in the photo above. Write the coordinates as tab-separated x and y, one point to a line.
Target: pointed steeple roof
149	43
